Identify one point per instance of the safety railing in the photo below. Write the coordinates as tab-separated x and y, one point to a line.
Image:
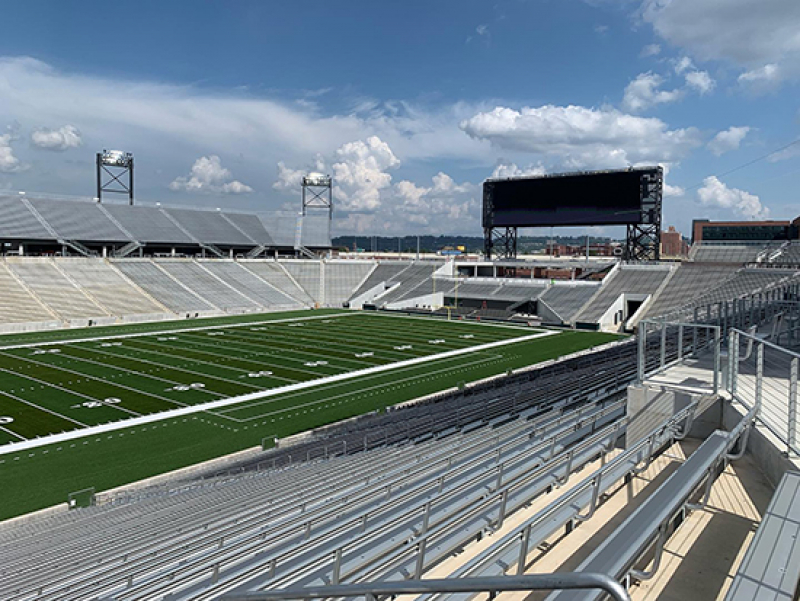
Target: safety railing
664	345
495	584
761	373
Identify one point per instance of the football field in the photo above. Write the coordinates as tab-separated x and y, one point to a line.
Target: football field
104	407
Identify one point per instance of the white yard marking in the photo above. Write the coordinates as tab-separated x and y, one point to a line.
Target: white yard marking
183	411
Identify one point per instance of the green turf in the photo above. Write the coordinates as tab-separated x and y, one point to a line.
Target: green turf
142	372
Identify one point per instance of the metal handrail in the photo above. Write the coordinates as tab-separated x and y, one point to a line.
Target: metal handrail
493	584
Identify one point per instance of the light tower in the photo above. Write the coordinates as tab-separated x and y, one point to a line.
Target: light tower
317	192
115	173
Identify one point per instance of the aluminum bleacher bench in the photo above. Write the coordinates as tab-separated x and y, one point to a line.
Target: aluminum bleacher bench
623	549
771	566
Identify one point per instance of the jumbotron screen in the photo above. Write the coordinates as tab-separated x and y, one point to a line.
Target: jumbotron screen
602	198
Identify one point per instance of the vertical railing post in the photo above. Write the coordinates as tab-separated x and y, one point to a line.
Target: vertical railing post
793	406
680	342
642	347
523	550
716	359
731	346
735	365
662	360
759	375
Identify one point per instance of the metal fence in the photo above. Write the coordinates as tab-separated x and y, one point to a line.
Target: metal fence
760	373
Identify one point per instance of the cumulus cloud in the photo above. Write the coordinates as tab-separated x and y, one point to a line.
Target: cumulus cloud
209	176
503	170
650	50
762	79
59	139
367	200
167	123
715	193
700	81
583	137
643	92
751	36
360	173
727	140
9	163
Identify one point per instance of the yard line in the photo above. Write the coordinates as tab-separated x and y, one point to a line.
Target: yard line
184	411
327	399
175	367
7	431
237	344
104	381
58	387
133	371
216	355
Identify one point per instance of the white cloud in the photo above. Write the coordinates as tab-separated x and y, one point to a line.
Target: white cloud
360	173
62	138
503	170
209	176
683	64
601	29
366	200
700	81
650	50
727	140
716	194
164	124
745	33
482	29
673	191
762	79
9	163
583	137
643	92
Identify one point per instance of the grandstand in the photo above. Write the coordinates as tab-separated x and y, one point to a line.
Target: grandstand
221	425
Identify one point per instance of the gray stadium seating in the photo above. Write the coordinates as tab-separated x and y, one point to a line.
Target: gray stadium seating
274	274
54	289
17	304
148	224
76	220
209	227
256	288
206	285
566	300
342	278
739	253
308	274
148	276
384	272
17	222
628	279
689	281
770	568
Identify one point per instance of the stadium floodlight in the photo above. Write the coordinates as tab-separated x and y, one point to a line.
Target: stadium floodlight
317	192
317	179
116	158
115	173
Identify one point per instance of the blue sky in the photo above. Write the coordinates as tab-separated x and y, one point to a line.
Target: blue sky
409	105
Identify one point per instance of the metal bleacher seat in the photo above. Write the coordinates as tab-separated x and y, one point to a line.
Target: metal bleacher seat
272	273
567	300
161	286
384	272
78	220
148	224
250	284
18	222
308	274
209	227
17	305
342	278
770	568
193	276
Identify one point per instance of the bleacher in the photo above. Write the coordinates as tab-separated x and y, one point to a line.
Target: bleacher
206	285
93	225
308	275
628	279
416	280
17	304
342	278
272	273
690	280
383	272
237	276
566	300
108	287
53	288
726	252
158	284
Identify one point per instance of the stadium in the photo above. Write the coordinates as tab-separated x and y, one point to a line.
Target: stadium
197	406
